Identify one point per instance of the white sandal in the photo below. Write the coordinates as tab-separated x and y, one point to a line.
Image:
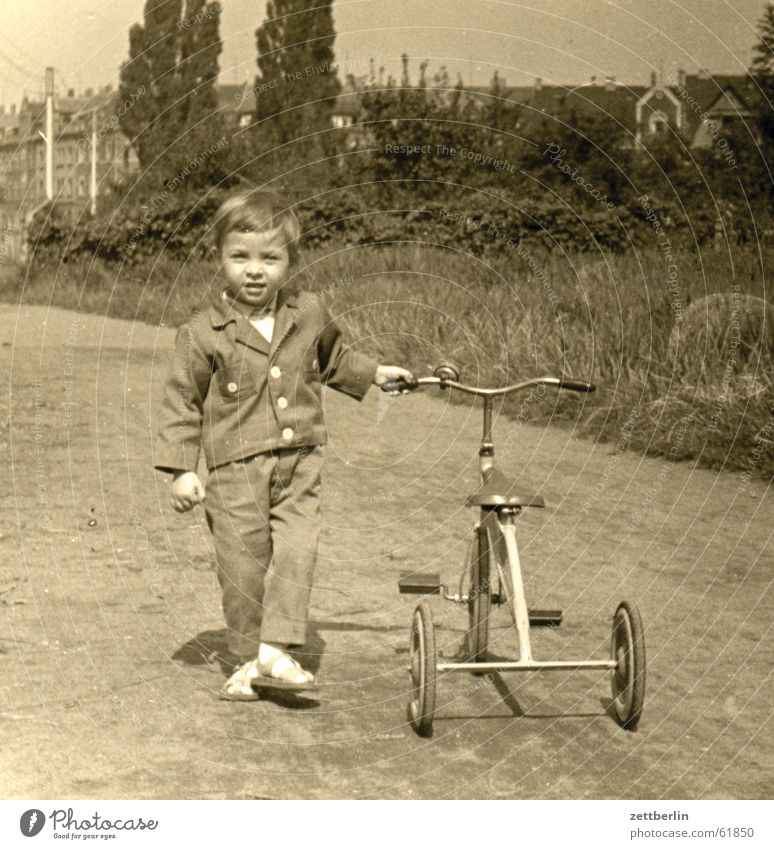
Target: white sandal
280	672
239	686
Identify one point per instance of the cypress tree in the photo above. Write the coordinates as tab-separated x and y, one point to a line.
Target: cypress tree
762	70
173	61
297	81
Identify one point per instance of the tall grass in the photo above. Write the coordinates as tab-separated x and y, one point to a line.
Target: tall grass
667	382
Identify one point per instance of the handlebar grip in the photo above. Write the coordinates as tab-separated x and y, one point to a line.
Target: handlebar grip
400	385
576	385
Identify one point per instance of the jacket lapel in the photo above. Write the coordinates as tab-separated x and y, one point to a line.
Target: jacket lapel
248	335
284	323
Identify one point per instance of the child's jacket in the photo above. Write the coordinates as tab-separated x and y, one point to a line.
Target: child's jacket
233	394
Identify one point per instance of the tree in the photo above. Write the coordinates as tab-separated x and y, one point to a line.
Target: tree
427	136
297	83
762	70
170	80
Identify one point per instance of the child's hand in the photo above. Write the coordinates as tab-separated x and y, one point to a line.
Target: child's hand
187	491
393	379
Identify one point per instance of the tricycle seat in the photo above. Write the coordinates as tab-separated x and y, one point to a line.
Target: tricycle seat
497	491
497	499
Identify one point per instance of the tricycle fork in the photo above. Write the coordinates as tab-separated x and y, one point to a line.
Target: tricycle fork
501	525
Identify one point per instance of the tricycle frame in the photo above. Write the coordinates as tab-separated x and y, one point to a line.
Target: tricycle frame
499	525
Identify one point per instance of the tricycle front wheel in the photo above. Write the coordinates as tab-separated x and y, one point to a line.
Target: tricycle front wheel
422	657
628	678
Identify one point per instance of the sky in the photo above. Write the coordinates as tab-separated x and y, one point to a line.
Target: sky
560	41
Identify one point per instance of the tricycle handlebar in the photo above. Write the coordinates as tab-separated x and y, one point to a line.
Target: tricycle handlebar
558	382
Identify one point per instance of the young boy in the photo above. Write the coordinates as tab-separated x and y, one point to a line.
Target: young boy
245	388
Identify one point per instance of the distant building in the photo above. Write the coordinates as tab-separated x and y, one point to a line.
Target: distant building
76	121
696	106
237	103
700	107
712	104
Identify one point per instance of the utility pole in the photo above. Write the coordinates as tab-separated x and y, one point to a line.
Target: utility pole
93	181
49	134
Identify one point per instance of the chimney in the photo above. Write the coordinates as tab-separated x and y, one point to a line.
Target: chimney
538	83
652	79
107	88
13	109
681	77
71	92
610	83
2	109
702	74
89	92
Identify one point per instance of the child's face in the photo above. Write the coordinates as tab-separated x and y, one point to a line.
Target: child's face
255	265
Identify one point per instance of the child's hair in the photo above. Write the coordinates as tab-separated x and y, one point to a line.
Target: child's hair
257	211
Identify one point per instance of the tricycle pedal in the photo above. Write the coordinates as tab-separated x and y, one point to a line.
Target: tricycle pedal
545	618
537	618
420	583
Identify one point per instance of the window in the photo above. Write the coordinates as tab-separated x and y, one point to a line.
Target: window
658	124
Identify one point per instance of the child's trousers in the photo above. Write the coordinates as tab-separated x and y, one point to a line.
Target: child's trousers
264	514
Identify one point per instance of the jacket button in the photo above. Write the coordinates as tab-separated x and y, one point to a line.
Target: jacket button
232	387
287	434
314	363
275	371
282	403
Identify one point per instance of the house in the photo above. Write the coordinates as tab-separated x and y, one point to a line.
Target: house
712	105
237	103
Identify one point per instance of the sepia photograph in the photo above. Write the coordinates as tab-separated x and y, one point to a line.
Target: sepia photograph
388	409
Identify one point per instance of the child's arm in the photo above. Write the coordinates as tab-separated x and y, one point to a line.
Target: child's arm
179	436
351	372
341	367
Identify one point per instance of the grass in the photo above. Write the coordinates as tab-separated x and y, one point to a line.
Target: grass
672	380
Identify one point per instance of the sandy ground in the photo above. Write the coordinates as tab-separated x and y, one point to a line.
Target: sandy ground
111	622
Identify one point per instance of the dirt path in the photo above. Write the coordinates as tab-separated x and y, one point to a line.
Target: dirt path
110	611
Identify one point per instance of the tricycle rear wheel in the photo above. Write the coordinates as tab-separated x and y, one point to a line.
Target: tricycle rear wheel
422	658
628	676
479	598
